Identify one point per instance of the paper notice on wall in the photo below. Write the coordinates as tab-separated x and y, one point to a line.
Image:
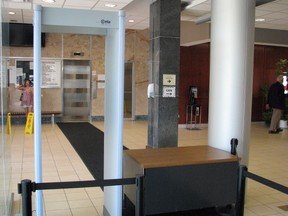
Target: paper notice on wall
31	65
51	74
12	74
19	77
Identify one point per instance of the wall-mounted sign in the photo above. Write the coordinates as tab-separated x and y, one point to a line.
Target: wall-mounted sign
51	74
169	79
169	91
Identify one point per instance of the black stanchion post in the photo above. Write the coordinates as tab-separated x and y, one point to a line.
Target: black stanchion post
139	208
234	143
241	191
25	189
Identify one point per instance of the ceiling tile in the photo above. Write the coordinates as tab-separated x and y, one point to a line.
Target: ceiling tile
279	22
187	18
17	5
281	2
195	13
203	7
261	12
275	13
273	7
80	4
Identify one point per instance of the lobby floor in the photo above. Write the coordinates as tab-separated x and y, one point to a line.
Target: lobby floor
268	158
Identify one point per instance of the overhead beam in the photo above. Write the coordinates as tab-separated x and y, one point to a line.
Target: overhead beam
88	22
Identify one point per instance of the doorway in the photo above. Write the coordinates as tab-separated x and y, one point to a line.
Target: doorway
129	91
76	90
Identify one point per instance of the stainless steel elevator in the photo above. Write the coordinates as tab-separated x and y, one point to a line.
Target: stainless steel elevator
76	90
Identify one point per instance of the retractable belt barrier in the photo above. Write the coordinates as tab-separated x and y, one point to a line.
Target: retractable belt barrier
26	187
266	182
243	174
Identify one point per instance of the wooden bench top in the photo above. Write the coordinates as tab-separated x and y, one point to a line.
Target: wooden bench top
179	156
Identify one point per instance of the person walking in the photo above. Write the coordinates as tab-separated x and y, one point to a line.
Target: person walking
276	101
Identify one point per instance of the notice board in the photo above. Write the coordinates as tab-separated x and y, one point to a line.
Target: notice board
50	73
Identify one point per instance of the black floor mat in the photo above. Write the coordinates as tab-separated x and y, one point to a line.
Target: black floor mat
88	142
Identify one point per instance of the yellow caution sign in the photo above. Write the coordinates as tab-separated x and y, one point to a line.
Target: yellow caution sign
29	123
8	124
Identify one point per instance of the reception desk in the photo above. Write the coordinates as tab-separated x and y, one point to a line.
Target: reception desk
182	178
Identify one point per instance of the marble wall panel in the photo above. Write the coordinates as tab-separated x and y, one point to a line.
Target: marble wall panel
98	65
53	46
141	71
76	43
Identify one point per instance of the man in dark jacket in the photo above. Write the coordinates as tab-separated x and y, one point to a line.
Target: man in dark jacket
276	101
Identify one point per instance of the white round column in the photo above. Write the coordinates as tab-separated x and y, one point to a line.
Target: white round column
231	74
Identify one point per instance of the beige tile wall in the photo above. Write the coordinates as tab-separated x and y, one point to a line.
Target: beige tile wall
59	46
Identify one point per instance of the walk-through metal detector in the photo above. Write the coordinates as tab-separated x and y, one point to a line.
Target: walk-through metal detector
112	26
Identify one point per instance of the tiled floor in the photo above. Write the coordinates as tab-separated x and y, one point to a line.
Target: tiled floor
268	158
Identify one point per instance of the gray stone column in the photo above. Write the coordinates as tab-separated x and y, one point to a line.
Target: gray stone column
164	73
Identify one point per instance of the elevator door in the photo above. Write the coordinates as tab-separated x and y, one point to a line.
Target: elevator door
76	90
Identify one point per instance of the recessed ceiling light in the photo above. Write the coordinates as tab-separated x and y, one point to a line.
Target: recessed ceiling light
131	21
110	5
260	20
11	12
21	1
48	1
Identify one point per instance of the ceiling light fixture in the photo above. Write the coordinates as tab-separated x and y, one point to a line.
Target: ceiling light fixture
11	13
259	20
49	1
20	1
131	21
110	5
